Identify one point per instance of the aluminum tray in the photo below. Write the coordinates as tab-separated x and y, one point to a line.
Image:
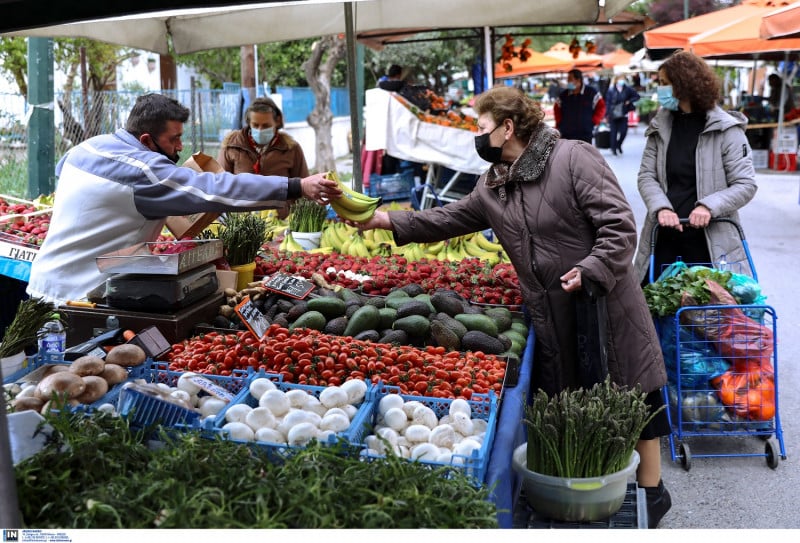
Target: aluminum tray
139	258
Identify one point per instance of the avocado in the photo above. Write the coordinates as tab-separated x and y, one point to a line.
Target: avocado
475	340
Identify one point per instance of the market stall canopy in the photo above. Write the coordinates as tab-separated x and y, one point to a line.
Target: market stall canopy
741	40
620	57
676	35
583	61
235	25
536	63
781	23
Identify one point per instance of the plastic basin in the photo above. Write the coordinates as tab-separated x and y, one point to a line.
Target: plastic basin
573	499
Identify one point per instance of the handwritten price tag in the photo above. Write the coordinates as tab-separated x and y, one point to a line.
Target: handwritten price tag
252	317
294	287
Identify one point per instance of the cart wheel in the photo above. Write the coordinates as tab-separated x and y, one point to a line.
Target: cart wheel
771	451
764	437
686	456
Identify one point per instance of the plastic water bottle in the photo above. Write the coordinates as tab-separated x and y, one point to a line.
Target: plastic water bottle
53	336
722	263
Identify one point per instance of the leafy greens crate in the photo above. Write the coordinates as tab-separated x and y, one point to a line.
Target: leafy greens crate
143	410
484	407
280	451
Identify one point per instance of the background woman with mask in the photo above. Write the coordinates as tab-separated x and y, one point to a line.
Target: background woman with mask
620	98
260	147
704	172
559	212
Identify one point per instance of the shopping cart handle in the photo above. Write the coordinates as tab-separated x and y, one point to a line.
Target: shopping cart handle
654	233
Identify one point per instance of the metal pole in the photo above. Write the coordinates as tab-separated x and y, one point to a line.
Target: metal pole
84	90
685	9
355	128
9	506
488	57
41	138
200	119
194	109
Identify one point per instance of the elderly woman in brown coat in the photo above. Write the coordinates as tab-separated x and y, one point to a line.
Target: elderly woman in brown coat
559	212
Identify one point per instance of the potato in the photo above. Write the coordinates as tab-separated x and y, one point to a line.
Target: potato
27	404
54	368
113	374
96	388
126	354
88	365
63	384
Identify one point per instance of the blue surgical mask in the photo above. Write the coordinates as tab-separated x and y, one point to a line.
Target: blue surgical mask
620	85
262	137
665	97
571	86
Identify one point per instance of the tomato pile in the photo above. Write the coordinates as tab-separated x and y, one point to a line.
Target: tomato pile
28	230
485	284
310	357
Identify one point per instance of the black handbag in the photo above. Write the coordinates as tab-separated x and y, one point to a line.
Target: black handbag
592	321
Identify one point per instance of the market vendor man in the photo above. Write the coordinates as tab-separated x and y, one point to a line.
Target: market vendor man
116	190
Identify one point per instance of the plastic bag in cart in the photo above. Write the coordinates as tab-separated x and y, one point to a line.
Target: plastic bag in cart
698	363
700	407
747	344
751	394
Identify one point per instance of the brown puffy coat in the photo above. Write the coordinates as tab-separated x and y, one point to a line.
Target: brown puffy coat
283	157
573	214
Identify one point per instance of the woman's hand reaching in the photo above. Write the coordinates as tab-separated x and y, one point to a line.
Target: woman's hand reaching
379	220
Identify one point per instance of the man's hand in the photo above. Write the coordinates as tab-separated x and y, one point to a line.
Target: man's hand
320	189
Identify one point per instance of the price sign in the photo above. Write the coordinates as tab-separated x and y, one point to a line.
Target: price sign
294	287
252	317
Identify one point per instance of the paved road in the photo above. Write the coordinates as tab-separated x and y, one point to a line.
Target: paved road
742	492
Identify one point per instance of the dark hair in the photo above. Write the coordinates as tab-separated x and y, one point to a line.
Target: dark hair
692	79
503	103
394	70
576	74
265	105
775	80
151	112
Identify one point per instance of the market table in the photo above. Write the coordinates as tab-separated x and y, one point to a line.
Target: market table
510	433
393	127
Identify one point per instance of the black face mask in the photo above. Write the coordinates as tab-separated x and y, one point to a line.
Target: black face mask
485	149
173	158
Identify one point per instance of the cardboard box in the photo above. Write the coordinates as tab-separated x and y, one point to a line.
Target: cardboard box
191	225
760	159
226	279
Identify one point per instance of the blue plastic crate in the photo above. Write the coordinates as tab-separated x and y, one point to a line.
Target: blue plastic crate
484	406
144	410
41	359
391	187
278	452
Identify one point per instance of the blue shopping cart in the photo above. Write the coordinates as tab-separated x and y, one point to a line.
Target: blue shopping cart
722	367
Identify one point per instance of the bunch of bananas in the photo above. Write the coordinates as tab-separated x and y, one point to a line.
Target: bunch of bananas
353	205
289	243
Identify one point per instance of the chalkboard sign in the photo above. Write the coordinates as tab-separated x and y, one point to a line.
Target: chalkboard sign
294	287
252	317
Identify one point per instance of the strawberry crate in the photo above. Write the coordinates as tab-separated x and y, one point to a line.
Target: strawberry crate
483	407
279	451
143	408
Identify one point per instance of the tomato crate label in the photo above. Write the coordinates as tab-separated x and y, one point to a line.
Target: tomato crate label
212	388
291	286
252	317
17	252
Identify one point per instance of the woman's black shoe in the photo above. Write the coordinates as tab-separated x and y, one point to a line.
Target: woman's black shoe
658	503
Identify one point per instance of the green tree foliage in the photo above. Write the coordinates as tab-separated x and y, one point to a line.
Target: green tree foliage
279	64
14	59
430	59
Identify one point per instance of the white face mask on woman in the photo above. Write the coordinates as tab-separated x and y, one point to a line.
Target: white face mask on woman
263	136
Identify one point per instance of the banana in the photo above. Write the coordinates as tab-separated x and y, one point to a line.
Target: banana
289	243
321	250
364	214
355	201
485	244
434	247
473	249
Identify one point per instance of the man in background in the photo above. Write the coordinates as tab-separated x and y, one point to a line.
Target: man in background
578	109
